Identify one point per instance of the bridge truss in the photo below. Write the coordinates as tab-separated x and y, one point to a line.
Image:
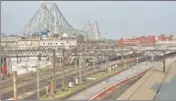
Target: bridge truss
49	19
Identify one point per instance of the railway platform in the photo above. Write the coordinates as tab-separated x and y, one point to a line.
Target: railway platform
153	85
92	91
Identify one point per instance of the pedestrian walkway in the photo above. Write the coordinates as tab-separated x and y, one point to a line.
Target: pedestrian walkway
167	91
146	88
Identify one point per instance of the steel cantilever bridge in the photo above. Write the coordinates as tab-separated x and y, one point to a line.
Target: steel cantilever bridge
50	17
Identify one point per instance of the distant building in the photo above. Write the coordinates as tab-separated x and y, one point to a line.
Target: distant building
63	43
149	40
11	38
143	40
10	41
28	44
35	42
162	37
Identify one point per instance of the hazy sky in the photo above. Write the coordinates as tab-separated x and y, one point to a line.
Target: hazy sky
116	18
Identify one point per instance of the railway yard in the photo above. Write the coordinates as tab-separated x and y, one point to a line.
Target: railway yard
70	64
29	84
90	75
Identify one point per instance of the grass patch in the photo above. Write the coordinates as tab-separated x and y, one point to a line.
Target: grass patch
98	75
62	94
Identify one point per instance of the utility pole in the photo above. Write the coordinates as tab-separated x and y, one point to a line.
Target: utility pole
15	85
80	68
54	69
93	65
2	64
0	68
79	61
106	61
123	56
38	79
152	58
63	82
145	55
60	62
76	64
146	60
137	69
38	86
164	62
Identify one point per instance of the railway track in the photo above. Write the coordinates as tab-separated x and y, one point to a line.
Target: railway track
71	79
32	85
31	79
22	77
27	88
120	90
58	85
9	82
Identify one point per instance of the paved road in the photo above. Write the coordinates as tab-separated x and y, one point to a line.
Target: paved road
92	91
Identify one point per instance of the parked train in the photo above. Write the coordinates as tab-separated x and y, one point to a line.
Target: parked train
120	63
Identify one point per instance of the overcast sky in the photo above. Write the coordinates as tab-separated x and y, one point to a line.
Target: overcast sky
116	18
